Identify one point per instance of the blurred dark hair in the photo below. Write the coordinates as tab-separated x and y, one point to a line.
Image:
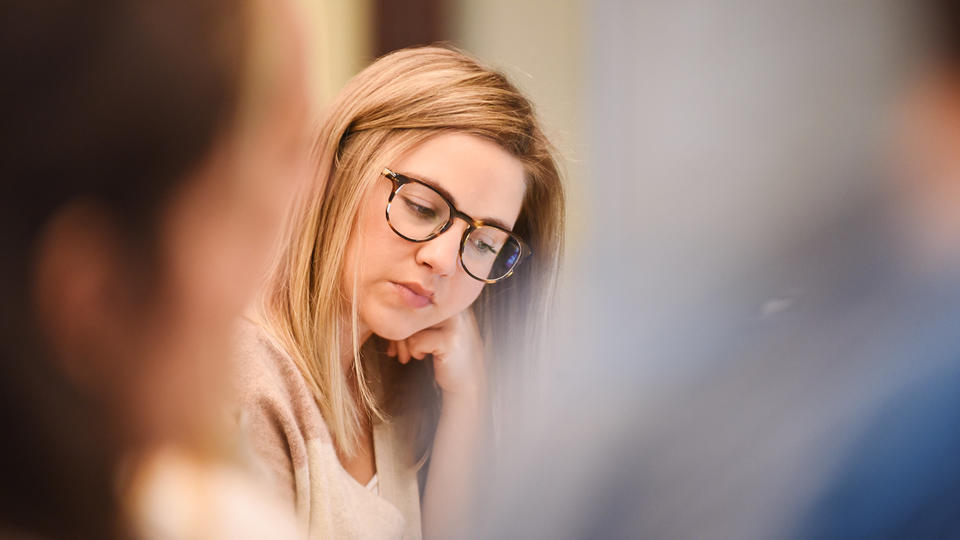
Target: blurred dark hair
110	102
941	25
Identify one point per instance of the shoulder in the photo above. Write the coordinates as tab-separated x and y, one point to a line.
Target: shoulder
261	369
269	389
276	414
909	444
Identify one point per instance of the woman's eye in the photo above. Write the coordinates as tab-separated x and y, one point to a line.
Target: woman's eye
420	210
482	247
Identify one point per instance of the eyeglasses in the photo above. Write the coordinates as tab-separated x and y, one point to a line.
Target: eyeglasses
418	212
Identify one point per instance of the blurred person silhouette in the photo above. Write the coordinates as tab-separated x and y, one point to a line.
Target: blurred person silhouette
828	411
147	151
900	477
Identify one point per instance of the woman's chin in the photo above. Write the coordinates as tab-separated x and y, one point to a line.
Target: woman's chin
392	324
395	333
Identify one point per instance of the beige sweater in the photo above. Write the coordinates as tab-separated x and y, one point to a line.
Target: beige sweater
283	425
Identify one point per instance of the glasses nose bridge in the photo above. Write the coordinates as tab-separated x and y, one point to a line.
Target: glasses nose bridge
471	224
454	215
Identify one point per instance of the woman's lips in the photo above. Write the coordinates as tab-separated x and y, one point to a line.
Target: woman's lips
413	295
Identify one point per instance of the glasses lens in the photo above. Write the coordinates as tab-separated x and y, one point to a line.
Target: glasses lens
490	253
417	212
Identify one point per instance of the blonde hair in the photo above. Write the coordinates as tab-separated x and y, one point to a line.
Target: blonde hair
389	108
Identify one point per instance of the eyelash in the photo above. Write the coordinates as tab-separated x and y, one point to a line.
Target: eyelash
480	245
421	210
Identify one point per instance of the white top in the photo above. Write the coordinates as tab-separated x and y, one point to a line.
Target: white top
374	484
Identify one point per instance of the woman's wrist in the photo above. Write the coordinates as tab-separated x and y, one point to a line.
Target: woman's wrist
463	399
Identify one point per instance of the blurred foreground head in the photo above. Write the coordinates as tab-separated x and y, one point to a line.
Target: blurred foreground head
931	139
146	152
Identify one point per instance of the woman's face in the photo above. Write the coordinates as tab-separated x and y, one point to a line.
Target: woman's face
405	286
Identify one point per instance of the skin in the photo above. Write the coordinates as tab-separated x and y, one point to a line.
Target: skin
487	183
157	356
930	135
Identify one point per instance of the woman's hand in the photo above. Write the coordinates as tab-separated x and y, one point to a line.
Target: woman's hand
457	351
458	367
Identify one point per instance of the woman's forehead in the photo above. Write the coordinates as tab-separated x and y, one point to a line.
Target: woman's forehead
478	176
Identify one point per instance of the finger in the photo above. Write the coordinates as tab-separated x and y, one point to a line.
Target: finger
415	346
420	353
391	348
426	342
424	347
403	354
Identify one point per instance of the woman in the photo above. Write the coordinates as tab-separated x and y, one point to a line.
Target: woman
434	185
146	157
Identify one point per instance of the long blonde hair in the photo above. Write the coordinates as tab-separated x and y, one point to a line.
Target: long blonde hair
393	105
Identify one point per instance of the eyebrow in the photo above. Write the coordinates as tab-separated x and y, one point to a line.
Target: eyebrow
453	201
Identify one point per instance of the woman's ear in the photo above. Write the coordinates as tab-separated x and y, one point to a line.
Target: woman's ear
78	296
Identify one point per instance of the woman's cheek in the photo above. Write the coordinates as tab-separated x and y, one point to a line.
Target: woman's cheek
464	297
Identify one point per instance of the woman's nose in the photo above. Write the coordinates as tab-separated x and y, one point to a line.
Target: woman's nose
442	254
